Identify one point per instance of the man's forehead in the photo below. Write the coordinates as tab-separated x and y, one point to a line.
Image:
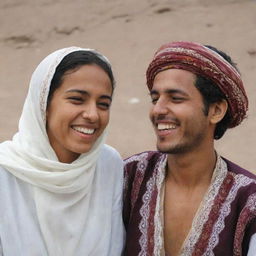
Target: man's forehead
175	73
173	79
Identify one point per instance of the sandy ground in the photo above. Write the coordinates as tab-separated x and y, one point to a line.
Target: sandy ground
128	32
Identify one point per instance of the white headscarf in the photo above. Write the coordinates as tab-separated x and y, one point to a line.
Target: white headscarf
60	190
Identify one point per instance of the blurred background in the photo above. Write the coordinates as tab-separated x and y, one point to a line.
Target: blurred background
128	33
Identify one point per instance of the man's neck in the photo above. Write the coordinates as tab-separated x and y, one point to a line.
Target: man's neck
192	169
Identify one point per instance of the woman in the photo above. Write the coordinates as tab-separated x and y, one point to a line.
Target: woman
60	185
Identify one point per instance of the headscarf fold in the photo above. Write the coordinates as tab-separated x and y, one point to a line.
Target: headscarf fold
59	189
207	63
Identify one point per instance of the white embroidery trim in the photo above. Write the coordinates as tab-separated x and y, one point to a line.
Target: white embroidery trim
136	158
144	211
158	234
205	207
240	181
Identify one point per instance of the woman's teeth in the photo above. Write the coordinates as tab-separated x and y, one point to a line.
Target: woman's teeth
84	130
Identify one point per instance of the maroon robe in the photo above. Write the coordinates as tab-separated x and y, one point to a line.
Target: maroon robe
223	226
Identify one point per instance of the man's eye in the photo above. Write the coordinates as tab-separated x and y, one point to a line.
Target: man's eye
154	100
178	99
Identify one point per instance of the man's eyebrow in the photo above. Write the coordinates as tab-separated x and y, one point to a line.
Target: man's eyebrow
173	91
168	91
153	92
86	93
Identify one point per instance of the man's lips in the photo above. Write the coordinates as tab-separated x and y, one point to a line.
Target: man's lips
165	125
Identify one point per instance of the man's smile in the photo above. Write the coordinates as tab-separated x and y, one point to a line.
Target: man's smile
166	126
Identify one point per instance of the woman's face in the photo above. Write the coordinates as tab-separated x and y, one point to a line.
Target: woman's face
78	112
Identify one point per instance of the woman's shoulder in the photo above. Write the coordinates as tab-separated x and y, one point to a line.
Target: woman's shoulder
7	179
10	186
5	175
110	153
111	159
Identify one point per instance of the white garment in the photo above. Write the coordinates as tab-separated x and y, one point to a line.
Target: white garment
19	228
59	191
252	246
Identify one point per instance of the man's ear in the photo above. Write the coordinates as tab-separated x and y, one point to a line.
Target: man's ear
217	111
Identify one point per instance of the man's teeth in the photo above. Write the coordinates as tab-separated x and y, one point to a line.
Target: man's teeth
84	130
165	126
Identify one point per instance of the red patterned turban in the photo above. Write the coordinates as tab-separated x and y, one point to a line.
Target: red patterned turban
205	62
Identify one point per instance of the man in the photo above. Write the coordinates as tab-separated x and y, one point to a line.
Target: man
185	199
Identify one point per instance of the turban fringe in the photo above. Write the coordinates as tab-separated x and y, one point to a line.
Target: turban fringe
203	61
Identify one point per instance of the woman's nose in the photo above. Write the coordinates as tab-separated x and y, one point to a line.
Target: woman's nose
90	113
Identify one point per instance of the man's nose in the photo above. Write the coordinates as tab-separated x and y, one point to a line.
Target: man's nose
160	107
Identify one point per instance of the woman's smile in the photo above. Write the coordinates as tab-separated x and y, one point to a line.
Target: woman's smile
83	130
78	112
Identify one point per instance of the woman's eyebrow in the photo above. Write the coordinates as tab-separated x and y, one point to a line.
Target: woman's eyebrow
86	93
106	97
78	91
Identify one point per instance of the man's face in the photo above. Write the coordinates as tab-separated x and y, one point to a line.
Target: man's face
177	113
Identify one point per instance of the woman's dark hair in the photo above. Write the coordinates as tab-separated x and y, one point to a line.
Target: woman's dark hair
212	94
73	61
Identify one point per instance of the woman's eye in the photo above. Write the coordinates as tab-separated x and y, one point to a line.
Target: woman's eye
76	100
104	105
